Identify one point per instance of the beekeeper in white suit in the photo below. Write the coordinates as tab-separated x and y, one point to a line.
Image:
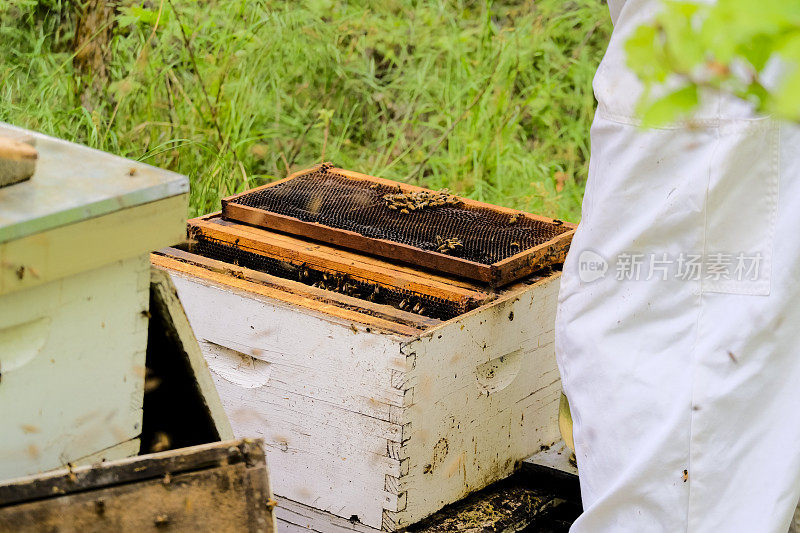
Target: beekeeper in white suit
678	332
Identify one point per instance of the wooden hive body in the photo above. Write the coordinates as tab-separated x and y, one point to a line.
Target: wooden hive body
74	297
372	423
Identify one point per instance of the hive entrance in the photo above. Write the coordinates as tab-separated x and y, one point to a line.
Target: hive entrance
429	229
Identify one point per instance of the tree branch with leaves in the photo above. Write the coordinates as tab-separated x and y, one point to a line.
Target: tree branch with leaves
746	48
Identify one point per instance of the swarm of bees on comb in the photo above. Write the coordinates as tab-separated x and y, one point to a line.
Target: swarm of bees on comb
344	285
341	284
406	202
446	246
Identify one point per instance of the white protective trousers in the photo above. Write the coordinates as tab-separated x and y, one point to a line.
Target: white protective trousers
678	330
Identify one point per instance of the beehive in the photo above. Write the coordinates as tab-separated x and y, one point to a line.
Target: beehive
383	391
74	290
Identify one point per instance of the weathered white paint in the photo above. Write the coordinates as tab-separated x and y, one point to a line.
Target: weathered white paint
485	390
295	517
324	410
555	457
72	356
384	427
239	368
50	255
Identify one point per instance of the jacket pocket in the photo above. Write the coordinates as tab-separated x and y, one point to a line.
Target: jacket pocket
742	207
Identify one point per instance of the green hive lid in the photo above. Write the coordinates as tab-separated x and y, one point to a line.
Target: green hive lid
73	183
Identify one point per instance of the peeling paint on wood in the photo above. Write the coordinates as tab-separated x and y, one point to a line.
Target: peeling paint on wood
379	427
221	487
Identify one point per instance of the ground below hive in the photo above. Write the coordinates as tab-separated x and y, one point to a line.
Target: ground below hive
534	500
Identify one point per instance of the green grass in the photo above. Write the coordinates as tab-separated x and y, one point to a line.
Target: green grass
492	100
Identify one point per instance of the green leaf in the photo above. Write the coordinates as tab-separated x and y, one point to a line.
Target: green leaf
668	108
644	57
758	50
785	101
682	43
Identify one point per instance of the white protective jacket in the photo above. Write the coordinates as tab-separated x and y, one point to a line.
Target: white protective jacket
678	331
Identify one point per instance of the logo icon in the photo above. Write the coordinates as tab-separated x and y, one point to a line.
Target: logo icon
591	266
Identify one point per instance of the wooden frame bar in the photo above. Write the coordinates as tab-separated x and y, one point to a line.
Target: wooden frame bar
326	307
497	274
163	257
336	261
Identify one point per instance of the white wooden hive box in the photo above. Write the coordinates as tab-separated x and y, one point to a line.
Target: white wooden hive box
371	422
74	297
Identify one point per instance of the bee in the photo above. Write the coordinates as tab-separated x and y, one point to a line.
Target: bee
404	211
417	307
515	245
403	304
161	441
513	219
557	222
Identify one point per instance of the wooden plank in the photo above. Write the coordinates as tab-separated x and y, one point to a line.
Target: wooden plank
151	466
338	260
17	160
14	150
294	517
245	286
54	254
212	487
295	287
497	274
525	263
172	319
